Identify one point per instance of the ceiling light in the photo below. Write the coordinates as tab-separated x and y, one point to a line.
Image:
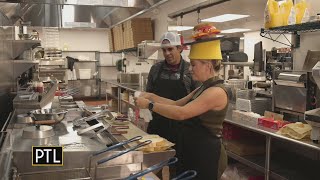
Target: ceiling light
225	18
179	28
219	35
234	30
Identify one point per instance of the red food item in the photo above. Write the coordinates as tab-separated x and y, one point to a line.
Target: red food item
271	123
205	30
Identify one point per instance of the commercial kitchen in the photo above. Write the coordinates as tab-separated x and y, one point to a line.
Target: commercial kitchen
70	72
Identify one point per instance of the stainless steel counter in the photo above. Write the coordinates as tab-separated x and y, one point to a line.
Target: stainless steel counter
125	86
77	149
270	132
262	164
149	158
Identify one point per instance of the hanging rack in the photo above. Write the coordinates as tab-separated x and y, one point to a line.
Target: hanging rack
195	8
198	19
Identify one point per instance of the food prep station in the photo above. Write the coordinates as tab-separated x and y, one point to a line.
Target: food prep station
81	142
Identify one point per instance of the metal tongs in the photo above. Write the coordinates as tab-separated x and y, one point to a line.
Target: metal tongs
118	154
153	168
183	176
78	122
69	92
190	174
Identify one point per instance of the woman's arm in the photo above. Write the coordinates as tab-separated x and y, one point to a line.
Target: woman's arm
214	98
157	99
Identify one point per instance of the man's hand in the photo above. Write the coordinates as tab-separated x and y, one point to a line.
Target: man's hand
141	102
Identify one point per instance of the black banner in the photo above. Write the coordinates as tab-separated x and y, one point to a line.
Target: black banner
47	156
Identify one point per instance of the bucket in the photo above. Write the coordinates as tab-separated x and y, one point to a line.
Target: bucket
85	73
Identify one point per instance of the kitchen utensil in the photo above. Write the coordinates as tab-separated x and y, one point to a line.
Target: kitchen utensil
153	168
35	132
78	122
66	104
83	131
24	118
190	174
49	114
25	36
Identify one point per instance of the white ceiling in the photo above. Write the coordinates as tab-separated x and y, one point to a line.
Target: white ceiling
254	8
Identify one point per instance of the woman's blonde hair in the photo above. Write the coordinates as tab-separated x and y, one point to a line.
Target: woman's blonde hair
216	64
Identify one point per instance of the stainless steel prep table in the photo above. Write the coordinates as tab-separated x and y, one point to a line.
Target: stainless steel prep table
76	148
269	135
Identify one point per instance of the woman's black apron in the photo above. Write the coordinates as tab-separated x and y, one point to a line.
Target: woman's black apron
170	89
197	148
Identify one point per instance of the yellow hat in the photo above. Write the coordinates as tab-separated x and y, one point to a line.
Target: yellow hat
208	50
206	45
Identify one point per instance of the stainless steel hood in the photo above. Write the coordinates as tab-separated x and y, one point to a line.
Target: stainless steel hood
91	13
114	3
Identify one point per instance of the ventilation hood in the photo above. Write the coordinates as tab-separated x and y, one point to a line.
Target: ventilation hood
73	13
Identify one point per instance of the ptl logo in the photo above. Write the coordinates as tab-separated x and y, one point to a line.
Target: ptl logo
47	156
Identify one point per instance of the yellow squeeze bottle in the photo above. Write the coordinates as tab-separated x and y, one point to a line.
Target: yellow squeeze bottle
300	8
273	16
285	9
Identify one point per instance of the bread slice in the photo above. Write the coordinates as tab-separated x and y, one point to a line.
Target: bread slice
158	143
156	140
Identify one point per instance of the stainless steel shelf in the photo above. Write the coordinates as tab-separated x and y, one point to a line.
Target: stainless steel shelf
86	61
18	46
248	161
80	51
21	66
132	88
82	80
112	96
270	132
238	63
255	162
127	50
106	66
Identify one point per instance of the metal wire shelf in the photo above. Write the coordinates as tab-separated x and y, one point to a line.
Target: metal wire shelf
296	30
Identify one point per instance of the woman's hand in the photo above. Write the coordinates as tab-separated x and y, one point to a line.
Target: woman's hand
146	95
141	102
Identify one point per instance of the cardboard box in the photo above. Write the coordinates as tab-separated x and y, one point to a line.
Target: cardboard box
118	37
130	33
133	39
141	24
111	40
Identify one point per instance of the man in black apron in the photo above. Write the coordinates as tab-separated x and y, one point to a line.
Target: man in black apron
169	79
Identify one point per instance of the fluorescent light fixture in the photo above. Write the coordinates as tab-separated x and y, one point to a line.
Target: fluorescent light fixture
225	18
234	30
179	28
219	35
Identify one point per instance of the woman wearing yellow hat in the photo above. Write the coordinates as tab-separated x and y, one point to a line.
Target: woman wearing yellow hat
201	113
